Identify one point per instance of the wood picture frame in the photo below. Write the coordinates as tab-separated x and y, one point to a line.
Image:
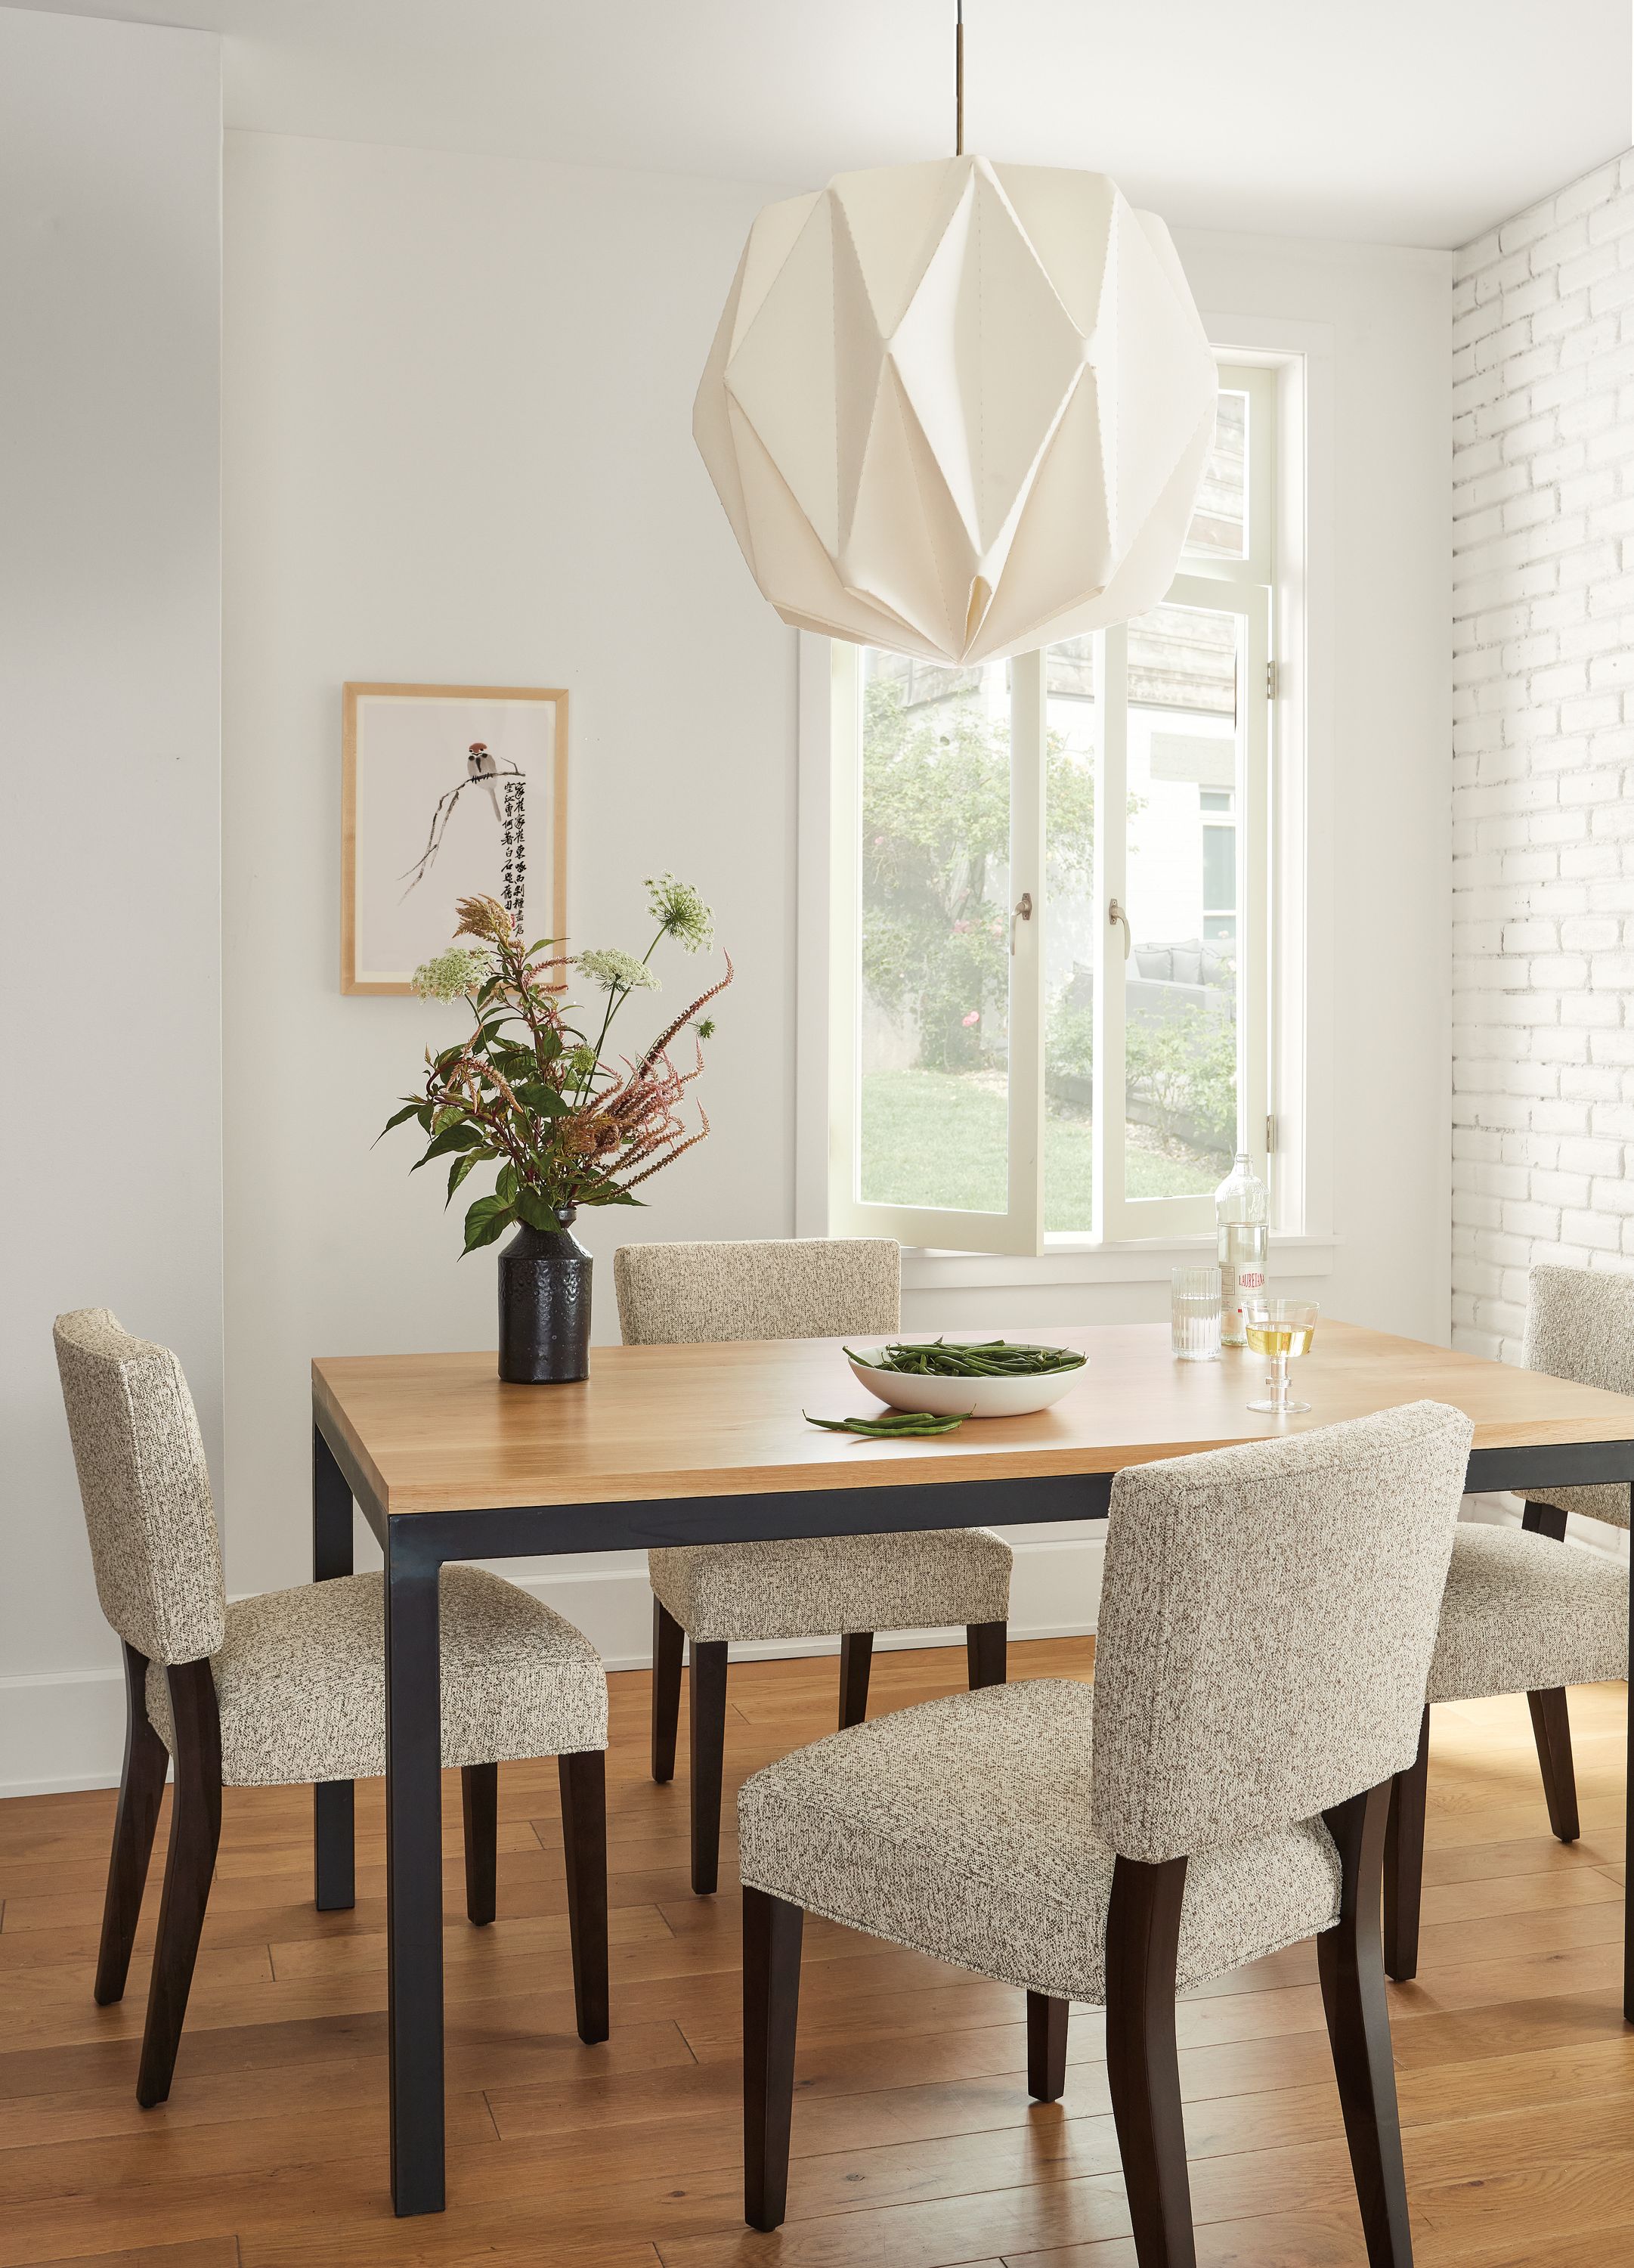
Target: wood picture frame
401	750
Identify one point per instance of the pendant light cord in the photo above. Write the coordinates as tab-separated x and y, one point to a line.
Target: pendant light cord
958	79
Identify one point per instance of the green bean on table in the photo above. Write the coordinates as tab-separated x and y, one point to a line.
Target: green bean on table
896	1424
970	1359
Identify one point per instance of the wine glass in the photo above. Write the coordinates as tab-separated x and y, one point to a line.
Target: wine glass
1280	1329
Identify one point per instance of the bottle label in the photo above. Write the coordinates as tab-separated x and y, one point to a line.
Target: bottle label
1237	1285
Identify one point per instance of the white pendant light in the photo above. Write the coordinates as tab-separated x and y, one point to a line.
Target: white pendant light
959	410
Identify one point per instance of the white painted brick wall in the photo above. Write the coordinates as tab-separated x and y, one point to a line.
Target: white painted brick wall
1543	751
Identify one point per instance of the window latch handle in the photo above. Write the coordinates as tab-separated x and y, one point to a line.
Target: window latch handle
1023	913
1114	915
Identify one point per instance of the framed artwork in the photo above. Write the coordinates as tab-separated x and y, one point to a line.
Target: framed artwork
447	790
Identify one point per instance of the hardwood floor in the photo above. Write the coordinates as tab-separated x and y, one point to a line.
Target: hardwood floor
915	2145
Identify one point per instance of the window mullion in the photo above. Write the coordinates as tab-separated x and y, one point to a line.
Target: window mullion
1027	733
1111	885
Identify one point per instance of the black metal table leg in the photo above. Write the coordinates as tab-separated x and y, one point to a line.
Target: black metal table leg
334	1863
414	1873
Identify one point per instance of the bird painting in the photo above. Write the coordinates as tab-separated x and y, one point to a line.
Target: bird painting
481	771
479	765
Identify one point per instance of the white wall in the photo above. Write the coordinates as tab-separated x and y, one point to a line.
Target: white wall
110	139
457	441
1543	873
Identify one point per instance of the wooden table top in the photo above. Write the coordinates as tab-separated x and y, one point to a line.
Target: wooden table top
439	1432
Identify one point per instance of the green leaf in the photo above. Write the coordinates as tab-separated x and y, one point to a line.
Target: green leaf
425	1113
458	1171
601	1197
408	1110
488	1218
506	1185
550	1045
542	1099
464	1135
535	1209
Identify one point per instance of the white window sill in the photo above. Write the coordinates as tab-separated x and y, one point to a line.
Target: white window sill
1147	1262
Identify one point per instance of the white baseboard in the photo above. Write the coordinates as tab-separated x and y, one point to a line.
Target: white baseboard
66	1729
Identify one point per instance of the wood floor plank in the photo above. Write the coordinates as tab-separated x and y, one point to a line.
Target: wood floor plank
207	2252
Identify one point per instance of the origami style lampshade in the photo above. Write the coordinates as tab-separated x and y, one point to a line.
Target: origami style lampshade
959	410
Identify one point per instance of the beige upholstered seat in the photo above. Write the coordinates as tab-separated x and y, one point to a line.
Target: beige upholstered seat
721	1595
1524	1612
822	1585
1266	1624
964	1828
300	1681
290	1687
1520	1613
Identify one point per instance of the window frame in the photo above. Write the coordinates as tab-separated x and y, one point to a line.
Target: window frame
1269	825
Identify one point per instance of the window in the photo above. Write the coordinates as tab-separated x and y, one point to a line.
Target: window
1050	987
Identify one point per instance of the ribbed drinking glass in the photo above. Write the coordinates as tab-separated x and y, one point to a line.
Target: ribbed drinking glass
1195	1314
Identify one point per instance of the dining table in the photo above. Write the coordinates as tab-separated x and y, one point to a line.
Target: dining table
710	1444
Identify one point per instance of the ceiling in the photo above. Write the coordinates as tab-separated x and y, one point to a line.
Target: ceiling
1403	122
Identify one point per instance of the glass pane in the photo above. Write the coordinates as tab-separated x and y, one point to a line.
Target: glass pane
1180	1000
1071	936
934	1022
1219	525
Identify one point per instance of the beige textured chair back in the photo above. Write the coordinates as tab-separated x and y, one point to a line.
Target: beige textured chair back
146	1488
1581	1326
773	1288
1266	1627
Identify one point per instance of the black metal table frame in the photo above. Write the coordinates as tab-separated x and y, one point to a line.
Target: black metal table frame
416	1545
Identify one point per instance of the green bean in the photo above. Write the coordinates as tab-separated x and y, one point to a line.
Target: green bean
971	1359
896	1426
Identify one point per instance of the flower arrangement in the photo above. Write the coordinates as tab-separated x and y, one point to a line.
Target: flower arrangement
528	1091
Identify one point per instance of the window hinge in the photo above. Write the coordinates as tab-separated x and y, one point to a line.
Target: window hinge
1271	1133
1273	682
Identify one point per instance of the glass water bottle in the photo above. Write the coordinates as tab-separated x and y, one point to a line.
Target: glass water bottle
1243	1207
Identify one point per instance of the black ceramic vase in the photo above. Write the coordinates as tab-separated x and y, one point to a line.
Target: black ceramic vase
544	1306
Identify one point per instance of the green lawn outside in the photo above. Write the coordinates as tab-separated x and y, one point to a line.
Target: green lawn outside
935	1138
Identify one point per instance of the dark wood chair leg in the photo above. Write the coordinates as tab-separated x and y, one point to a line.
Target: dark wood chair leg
194	1834
1350	1962
668	1644
1551	1726
771	1998
585	1840
1047	2047
856	1661
986	1651
1142	2063
1404	1862
1551	1729
706	1683
141	1786
479	1797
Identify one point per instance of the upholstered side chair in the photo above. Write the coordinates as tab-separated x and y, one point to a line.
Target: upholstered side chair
288	1688
1521	1614
710	1597
1221	1791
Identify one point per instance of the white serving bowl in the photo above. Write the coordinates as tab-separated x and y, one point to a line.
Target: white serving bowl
974	1397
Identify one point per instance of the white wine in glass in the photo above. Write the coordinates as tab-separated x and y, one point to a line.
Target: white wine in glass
1281	1329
